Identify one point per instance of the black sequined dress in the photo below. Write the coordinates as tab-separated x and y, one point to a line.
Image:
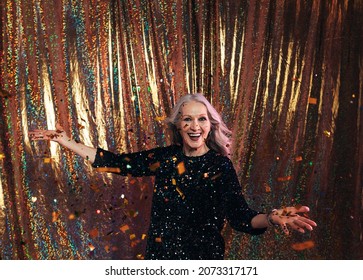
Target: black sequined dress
192	199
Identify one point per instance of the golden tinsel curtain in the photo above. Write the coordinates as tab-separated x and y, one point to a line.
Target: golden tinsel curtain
286	76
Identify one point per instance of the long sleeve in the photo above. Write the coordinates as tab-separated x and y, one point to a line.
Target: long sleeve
145	163
238	213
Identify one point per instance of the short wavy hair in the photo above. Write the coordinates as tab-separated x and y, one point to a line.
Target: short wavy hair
219	138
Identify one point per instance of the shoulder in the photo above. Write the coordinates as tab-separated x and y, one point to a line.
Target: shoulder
223	162
162	152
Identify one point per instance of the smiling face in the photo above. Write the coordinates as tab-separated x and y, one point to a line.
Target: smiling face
194	128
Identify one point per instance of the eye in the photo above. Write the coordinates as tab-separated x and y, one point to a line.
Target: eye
202	119
187	119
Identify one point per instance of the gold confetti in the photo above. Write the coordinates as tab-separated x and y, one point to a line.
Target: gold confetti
298	158
267	188
124	228
132	236
181	168
91	247
173	181
143	236
108	169
71	216
140	256
283	179
47	160
216	176
93	233
303	245
55	216
157	118
327	133
158	239
133	213
2	156
154	166
180	193
313	100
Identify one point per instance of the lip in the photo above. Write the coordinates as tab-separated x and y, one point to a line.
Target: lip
194	136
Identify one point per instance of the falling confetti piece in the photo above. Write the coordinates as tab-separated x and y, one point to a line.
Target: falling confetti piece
295	79
284	179
93	233
160	118
153	167
140	256
71	217
298	158
47	160
143	236
133	213
55	216
303	245
91	247
108	169
124	228
34	199
173	181
181	168
158	239
2	156
180	193
132	236
327	133
267	188
216	176
313	100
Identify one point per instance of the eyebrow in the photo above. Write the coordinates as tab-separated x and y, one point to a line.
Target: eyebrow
200	115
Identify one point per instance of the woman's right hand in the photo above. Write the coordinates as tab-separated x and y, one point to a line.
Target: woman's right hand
60	136
53	135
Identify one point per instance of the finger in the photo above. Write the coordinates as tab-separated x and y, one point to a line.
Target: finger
302	209
284	228
296	226
308	222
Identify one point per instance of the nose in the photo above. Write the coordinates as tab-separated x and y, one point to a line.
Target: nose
194	125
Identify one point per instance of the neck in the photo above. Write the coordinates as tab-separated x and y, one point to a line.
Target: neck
195	152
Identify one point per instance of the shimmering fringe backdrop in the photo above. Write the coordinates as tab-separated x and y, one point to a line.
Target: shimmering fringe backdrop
286	75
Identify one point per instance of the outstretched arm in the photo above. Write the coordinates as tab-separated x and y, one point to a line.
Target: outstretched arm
288	217
61	137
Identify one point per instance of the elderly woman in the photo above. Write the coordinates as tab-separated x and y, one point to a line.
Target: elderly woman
196	186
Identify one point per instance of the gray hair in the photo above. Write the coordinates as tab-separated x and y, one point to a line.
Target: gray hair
219	138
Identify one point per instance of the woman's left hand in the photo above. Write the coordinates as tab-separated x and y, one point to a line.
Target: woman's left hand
291	217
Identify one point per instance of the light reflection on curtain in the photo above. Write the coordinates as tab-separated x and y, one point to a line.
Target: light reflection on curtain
286	75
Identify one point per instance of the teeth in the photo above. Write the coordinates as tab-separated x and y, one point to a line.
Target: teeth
194	134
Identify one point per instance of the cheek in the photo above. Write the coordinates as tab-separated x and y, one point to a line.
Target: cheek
205	126
184	126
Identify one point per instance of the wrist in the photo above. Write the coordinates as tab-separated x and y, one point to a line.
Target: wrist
270	221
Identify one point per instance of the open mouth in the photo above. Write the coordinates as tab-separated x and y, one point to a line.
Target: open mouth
195	136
